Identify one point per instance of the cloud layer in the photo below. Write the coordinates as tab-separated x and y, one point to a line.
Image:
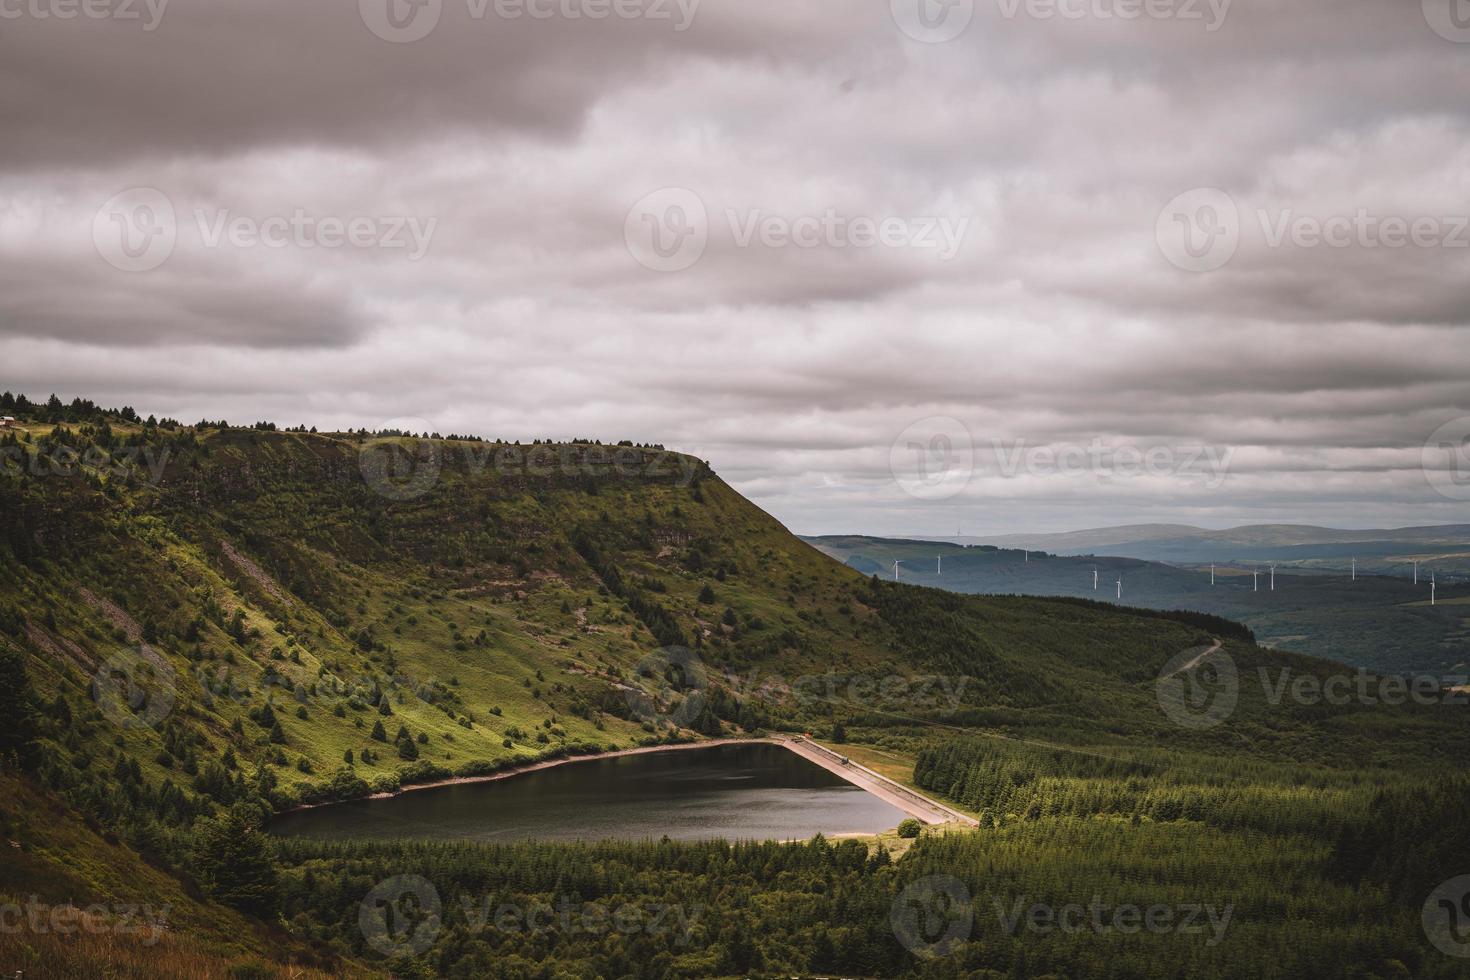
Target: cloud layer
798	240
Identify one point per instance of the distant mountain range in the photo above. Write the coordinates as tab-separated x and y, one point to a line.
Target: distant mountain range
1284	542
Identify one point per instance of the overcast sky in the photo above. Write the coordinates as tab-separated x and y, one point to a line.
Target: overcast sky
904	267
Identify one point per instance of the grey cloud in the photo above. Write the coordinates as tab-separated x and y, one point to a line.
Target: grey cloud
80	302
792	369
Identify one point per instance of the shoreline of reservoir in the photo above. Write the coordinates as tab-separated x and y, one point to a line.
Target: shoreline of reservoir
909	802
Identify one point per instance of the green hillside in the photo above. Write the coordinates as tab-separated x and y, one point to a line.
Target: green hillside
216	623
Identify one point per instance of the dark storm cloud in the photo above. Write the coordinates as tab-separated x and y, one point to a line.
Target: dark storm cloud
217	77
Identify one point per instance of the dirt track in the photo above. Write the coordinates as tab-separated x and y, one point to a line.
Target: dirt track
915	804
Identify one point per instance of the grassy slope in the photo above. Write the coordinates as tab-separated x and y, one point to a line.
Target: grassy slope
54	859
324	559
477	599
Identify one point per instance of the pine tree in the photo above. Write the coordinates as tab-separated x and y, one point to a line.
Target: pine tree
233	861
18	716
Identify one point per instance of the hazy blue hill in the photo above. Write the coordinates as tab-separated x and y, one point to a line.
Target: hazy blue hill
1380	622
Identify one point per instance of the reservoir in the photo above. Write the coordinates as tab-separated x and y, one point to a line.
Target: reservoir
736	792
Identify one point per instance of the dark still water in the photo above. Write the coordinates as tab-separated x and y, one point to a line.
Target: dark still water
745	792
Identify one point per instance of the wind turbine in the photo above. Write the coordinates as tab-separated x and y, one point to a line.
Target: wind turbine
939	565
1028	555
1355	569
1120	587
1431	588
1212	574
1255	580
895	570
1094	578
1416	572
1273	576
